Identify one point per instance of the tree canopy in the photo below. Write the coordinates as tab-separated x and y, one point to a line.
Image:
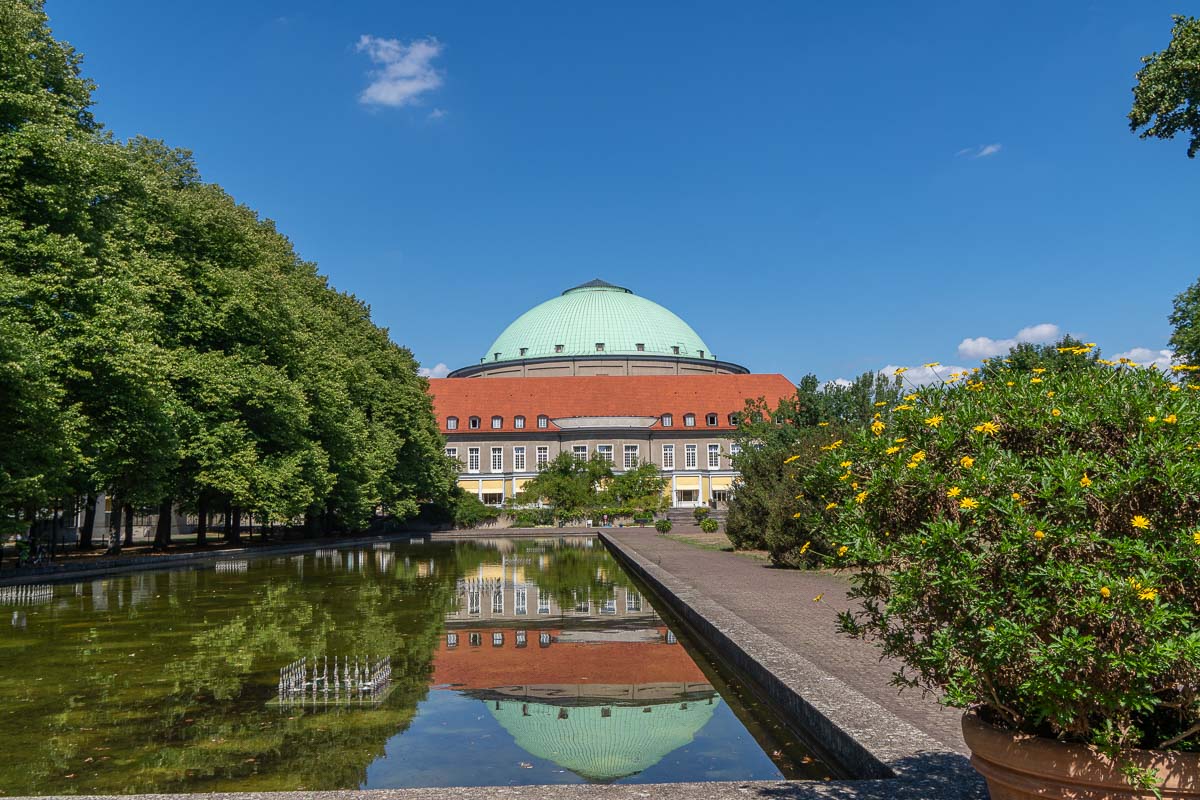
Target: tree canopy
1166	99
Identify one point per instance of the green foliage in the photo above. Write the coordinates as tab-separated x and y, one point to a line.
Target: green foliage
160	342
532	517
662	525
471	512
700	513
1166	99
763	504
1185	316
640	490
1030	543
576	488
709	525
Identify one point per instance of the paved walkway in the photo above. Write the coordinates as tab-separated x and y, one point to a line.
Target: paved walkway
780	603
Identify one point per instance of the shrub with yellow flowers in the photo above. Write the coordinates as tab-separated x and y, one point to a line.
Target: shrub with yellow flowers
1027	542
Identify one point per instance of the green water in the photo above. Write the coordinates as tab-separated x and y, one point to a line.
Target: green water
512	662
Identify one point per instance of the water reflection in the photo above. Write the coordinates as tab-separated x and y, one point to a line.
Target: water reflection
509	662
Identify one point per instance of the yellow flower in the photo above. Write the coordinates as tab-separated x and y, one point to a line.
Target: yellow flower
968	504
822	424
901	440
912	464
880	403
796	515
843	476
1196	537
877	427
1039	535
1035	380
1170	419
918	456
934	421
900	370
892	450
989	428
790	459
833	446
860	497
1151	419
954	491
846	464
1147	594
903	407
967	462
1038	370
932	364
804	549
1085	481
1009	383
1105	591
854	484
1016	495
842	550
908	398
1140	522
1174	388
1055	412
831	505
1050	393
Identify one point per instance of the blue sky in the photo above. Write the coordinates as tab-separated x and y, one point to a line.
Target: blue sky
826	188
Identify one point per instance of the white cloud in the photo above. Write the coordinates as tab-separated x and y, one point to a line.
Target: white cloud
985	347
437	113
919	375
841	382
982	151
405	70
1144	356
440	370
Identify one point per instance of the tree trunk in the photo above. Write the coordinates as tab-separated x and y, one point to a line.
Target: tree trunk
162	532
89	523
201	521
236	535
129	525
228	531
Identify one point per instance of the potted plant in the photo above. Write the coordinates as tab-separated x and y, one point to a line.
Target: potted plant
1027	538
662	525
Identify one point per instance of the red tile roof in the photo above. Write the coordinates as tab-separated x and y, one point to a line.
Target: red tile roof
600	396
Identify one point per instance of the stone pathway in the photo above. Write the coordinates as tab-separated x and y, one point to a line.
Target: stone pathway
781	604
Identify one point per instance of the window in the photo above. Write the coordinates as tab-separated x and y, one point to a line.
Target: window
579	451
497	640
524	350
710	420
734	450
521	600
689	456
609	606
714	456
497	459
473	601
640	347
452	452
518	422
734	419
689	420
631	456
497	423
522	639
518	459
498	600
675	349
667	420
633	601
451	640
543	421
544	639
599	347
472	459
668	457
473	423
495	356
451	423
543	456
701	352
543	601
558	348
493	498
606	452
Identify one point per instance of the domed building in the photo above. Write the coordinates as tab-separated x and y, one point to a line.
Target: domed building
599	370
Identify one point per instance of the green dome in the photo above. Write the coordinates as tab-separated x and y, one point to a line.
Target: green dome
597	313
598	747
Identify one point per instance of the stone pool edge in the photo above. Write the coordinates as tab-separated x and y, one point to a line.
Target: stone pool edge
860	735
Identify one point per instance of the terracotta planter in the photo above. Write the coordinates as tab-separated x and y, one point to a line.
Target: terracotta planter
1018	766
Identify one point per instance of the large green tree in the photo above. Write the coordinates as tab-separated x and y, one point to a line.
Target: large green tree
1166	99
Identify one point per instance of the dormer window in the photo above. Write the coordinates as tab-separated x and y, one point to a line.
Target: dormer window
599	347
518	422
558	348
641	347
667	420
473	423
451	423
734	419
675	349
543	421
689	420
496	356
710	420
524	350
701	352
497	423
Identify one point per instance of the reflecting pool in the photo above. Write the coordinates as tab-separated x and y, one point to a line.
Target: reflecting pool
403	664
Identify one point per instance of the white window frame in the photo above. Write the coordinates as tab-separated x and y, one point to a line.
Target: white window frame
711	419
579	451
689	420
633	601
605	451
497	422
518	459
521	600
473	460
497	453
542	456
498	600
689	456
451	423
452	452
636	452
473	423
668	456
668	420
519	422
474	601
714	456
543	421
543	599
734	450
